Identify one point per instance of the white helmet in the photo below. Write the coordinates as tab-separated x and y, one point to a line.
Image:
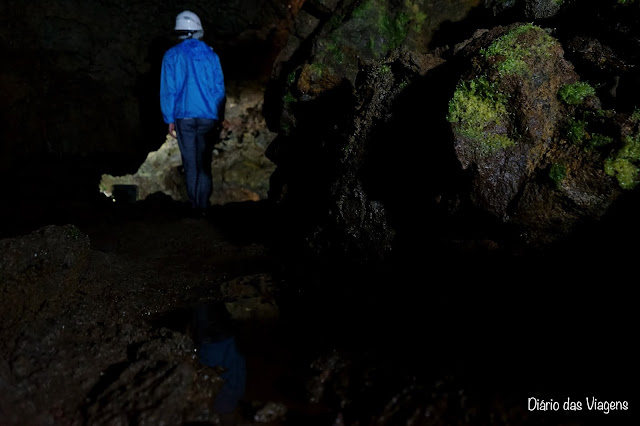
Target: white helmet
188	21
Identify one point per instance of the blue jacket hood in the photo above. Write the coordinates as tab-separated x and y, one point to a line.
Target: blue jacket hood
197	48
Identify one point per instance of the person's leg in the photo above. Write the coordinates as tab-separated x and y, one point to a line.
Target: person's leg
187	137
204	152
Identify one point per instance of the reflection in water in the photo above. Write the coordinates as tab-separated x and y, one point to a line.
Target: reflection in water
215	339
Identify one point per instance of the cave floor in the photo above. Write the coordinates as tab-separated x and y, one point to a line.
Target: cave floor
441	341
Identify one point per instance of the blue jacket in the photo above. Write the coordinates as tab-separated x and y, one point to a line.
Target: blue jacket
225	354
191	82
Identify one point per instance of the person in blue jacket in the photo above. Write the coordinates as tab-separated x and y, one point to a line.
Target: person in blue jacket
213	333
192	93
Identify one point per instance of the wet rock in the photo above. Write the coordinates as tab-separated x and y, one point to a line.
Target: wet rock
163	383
251	298
331	377
364	387
109	345
529	9
271	412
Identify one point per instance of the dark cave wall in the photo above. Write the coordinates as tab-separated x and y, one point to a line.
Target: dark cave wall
80	79
81	82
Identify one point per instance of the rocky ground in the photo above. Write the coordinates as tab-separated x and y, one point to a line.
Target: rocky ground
95	329
95	316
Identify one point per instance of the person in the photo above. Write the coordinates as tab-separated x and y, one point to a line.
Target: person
192	94
213	333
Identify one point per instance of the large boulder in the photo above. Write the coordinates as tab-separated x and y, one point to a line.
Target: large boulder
496	138
532	136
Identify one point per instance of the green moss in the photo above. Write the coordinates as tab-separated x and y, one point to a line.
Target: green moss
576	130
317	70
577	133
285	128
476	106
291	77
575	93
288	98
524	43
558	173
419	19
597	140
395	28
336	51
600	114
385	29
493	142
623	165
624	171
631	148
635	116
334	22
363	10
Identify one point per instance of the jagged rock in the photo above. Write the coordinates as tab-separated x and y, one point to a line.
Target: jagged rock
250	298
538	9
101	334
530	9
162	384
349	73
355	31
271	412
160	172
239	167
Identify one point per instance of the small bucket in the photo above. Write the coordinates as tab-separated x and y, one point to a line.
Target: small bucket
125	193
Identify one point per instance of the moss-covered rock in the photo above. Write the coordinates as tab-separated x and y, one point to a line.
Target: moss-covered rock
575	93
504	131
548	174
476	106
624	164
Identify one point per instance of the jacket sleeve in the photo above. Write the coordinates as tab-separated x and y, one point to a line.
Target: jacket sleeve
218	90
168	89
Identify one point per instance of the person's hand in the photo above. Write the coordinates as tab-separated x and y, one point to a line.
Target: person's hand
172	130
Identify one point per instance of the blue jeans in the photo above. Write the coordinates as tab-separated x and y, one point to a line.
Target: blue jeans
196	153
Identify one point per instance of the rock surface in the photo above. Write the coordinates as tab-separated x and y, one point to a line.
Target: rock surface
518	163
436	344
95	326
